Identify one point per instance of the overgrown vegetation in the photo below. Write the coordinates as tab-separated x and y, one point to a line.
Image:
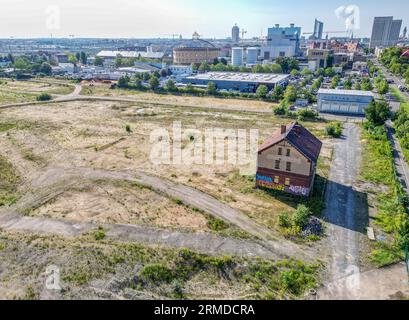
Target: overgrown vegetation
334	129
44	97
378	167
8	183
159	272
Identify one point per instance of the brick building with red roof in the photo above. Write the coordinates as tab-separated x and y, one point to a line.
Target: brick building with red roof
288	160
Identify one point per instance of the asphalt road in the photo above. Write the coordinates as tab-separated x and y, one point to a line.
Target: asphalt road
342	215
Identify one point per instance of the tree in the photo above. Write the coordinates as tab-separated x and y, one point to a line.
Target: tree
170	86
72	58
377	113
366	85
348	84
203	67
290	94
287	64
278	93
98	61
258	68
154	83
262	91
276	68
138	83
306	72
22	63
335	82
123	82
294	72
83	57
46	68
382	86
44	97
211	88
164	73
329	72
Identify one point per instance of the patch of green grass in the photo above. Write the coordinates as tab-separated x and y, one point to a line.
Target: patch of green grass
29	155
217	225
377	160
401	98
99	234
9	181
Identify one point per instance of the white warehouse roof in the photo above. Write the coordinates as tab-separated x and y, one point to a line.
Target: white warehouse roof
242	77
347	92
131	54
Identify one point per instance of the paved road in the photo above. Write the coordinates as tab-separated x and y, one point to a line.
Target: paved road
342	214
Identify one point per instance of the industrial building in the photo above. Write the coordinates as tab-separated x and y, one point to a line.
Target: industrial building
282	42
287	161
352	102
112	55
243	82
196	55
385	32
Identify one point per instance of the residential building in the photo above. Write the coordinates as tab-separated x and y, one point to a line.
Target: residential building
237	56
235	34
112	55
252	56
238	81
282	42
196	55
385	32
288	160
352	102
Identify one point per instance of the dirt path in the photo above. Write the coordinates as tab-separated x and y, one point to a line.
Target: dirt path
54	181
202	242
342	214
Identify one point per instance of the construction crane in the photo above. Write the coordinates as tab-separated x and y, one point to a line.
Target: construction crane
328	32
243	32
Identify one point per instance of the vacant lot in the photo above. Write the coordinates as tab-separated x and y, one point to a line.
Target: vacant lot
12	91
115	136
186	100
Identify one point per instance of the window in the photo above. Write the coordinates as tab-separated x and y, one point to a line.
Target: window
276	179
280	151
288	152
277	166
287	181
288	167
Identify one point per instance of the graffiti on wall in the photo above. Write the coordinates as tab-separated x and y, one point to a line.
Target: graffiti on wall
268	183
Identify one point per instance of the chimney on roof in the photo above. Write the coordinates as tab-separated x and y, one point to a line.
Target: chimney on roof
283	129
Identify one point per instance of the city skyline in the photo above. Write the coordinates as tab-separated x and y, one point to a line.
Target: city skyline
161	19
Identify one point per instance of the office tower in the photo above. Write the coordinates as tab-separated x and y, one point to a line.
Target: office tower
235	34
318	30
385	32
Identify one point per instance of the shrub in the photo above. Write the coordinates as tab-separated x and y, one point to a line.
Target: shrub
301	216
306	113
284	220
156	273
44	97
216	224
99	234
334	130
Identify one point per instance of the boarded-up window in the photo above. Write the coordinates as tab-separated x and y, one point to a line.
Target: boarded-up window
277	166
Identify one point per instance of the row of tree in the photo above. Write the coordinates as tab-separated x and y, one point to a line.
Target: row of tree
397	64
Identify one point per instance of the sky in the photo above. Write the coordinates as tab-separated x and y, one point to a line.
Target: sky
162	18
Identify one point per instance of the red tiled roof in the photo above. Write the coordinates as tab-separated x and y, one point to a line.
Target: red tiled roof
303	140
